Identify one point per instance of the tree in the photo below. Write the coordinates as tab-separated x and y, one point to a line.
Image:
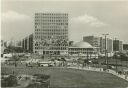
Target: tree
10	81
11	49
86	62
123	57
95	62
80	61
15	59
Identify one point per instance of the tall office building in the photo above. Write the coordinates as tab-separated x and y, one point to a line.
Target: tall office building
108	45
27	43
117	45
51	33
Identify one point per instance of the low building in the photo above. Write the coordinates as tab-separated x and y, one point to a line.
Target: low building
83	49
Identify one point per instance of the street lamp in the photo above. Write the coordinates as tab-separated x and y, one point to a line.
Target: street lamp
106	59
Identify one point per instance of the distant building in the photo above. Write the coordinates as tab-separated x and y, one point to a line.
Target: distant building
27	43
125	46
3	46
19	44
99	43
83	50
23	44
51	33
30	43
108	46
117	45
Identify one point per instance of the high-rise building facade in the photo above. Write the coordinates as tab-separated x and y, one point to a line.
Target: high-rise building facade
125	46
117	45
109	45
106	44
30	39
51	33
100	43
27	43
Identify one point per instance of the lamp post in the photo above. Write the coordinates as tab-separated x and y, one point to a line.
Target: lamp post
106	58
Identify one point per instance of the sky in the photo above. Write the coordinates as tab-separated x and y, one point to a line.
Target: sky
85	18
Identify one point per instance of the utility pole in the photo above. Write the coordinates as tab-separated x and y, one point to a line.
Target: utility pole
87	54
106	58
127	61
116	55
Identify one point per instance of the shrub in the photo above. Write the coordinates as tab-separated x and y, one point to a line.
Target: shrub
10	81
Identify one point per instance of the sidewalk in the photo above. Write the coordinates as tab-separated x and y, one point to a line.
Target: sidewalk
116	74
88	68
101	70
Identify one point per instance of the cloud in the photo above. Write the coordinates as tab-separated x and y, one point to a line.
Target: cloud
87	19
12	16
15	25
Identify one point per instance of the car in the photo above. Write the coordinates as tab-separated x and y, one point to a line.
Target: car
45	64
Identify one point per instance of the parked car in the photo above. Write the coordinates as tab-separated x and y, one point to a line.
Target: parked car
45	64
